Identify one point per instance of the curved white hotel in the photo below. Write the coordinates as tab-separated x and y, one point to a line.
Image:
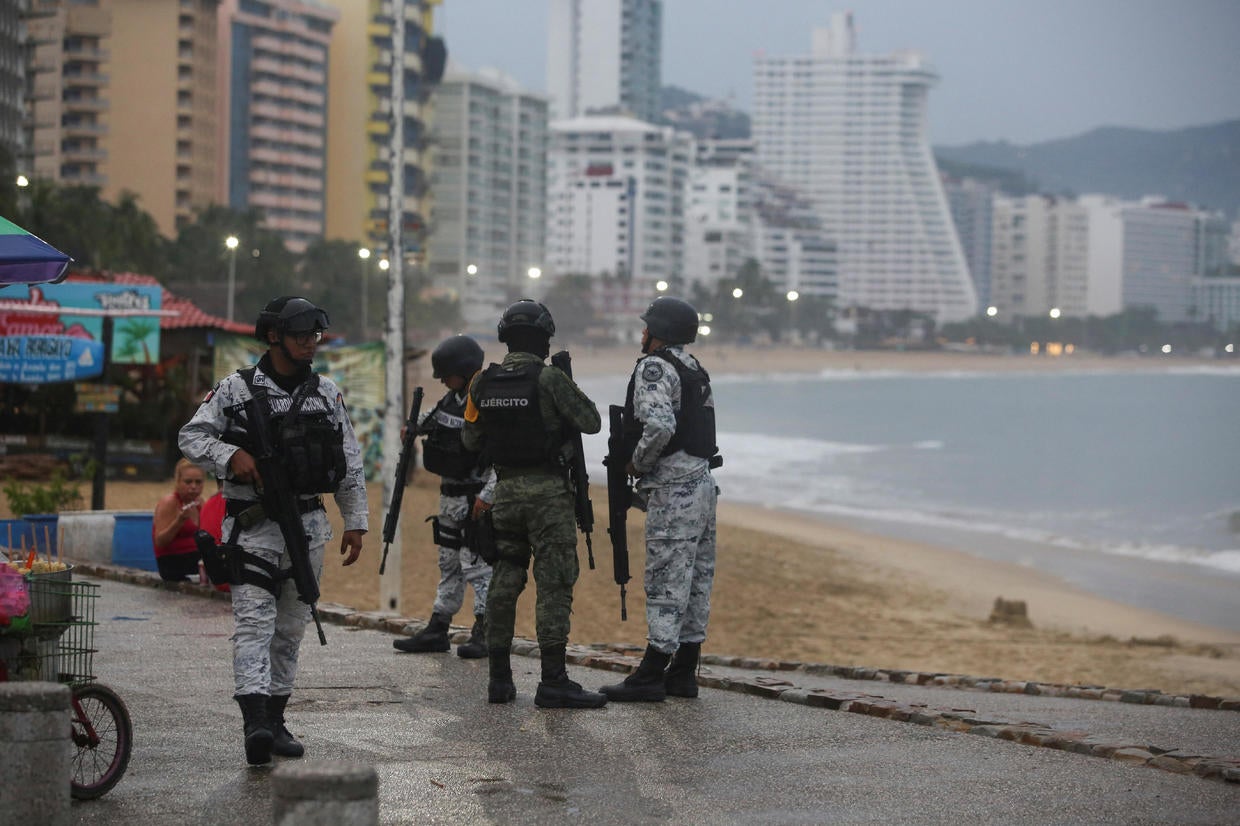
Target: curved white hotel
850	131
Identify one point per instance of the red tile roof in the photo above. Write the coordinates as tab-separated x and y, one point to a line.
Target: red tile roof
189	313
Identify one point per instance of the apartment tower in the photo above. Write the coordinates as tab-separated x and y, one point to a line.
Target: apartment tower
603	56
274	147
850	130
122	96
490	185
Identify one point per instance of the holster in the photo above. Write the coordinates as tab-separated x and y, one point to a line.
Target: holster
480	537
215	558
445	537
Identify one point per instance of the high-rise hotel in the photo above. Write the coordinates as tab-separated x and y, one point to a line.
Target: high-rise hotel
850	130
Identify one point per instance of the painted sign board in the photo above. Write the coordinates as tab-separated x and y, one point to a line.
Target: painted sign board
97	398
135	338
44	359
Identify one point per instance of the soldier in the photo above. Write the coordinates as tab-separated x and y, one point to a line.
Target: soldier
313	434
671	411
519	412
454	363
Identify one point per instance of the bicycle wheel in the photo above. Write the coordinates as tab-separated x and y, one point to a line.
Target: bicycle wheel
103	739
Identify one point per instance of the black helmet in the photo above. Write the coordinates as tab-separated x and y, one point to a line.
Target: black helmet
456	356
672	320
526	313
289	315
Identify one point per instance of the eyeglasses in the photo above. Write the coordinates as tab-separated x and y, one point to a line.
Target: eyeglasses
307	338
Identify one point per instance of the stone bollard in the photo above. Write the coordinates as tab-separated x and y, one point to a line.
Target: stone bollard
325	793
35	758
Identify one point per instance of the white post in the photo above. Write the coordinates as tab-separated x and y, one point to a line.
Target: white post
394	335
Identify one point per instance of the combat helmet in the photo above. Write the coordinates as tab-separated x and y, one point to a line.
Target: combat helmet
672	320
526	313
289	315
457	355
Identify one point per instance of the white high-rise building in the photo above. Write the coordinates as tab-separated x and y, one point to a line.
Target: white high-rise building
603	56
615	190
490	183
850	130
719	215
1040	256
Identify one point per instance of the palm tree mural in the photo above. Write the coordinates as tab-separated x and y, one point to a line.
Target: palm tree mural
131	339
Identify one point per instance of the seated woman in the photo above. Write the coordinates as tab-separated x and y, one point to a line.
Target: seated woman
174	523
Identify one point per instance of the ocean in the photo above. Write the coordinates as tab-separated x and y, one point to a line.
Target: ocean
1125	483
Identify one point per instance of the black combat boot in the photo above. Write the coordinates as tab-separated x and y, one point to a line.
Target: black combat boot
284	745
476	647
432	638
556	690
258	737
681	677
501	688
645	685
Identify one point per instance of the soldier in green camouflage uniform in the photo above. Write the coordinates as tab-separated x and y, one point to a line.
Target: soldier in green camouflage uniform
519	413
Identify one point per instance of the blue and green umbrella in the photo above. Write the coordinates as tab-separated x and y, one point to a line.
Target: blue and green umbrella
27	259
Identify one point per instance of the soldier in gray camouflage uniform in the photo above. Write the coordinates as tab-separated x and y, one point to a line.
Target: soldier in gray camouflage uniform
454	362
269	628
670	414
519	413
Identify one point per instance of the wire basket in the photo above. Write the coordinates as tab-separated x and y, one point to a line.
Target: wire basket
58	646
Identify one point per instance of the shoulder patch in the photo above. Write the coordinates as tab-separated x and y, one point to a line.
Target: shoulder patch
653	371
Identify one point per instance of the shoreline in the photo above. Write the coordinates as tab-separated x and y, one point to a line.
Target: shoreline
973	582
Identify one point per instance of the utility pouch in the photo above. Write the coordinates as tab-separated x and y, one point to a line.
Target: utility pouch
251	516
480	537
214	558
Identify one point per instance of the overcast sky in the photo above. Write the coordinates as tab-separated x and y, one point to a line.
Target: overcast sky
1020	70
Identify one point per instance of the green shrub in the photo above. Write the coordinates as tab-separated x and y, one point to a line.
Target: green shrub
57	494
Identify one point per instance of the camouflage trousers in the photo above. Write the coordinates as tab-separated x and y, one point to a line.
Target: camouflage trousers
533	519
458	567
267	631
680	561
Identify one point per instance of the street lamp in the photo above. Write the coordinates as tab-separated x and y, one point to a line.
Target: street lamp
661	286
1054	313
992	311
792	297
737	292
472	269
231	243
364	254
534	273
23	181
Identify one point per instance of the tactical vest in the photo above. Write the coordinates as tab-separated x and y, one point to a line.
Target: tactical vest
511	417
695	420
310	444
443	453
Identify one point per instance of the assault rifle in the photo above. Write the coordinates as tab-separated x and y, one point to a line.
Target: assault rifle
402	475
581	479
619	498
280	503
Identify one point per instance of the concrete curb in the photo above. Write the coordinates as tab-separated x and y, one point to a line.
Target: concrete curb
624	658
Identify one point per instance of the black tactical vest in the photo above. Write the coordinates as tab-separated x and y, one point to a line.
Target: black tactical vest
695	420
310	444
511	417
443	453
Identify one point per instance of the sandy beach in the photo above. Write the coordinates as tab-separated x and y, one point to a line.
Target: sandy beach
800	588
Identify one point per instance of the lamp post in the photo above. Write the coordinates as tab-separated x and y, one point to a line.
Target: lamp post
364	254
534	273
231	243
792	297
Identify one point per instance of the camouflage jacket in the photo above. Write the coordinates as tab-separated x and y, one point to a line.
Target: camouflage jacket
656	399
201	441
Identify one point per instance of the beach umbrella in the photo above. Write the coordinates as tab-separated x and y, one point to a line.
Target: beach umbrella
27	259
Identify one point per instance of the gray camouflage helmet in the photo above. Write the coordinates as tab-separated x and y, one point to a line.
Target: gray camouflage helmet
672	320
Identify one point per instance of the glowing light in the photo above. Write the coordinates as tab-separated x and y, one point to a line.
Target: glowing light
363	253
1166	348
1054	313
384	264
704	330
22	180
534	272
231	242
992	311
472	269
738	292
793	295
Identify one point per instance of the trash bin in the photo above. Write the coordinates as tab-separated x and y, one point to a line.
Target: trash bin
131	541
